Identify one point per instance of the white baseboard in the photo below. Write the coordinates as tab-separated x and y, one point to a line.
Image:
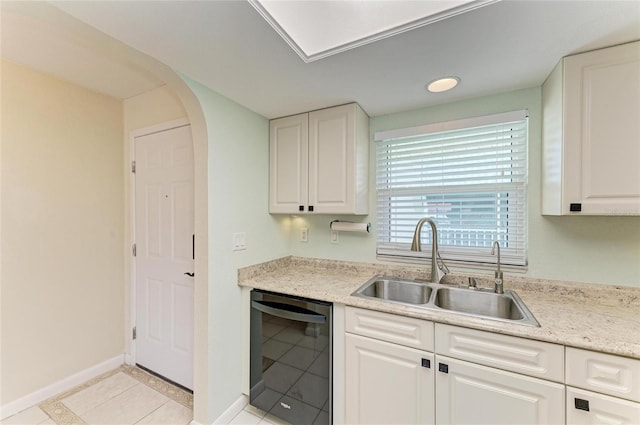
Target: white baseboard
232	411
61	386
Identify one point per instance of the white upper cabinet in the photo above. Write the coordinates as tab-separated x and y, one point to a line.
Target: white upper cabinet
288	162
319	162
591	134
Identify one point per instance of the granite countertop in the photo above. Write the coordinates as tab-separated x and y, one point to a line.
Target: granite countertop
603	318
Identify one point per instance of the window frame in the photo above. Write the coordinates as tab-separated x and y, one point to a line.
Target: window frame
477	257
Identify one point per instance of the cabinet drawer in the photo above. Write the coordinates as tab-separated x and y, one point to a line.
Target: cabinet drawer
525	356
604	373
586	407
402	330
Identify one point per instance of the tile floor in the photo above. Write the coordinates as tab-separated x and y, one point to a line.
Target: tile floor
124	396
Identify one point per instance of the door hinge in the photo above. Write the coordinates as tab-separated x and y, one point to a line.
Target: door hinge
134	333
133	166
134	250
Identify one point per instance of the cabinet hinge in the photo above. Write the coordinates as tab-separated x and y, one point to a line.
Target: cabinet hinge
133	166
133	250
134	333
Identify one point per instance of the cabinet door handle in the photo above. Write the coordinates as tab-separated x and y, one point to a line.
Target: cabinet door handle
426	363
310	208
581	404
300	207
444	368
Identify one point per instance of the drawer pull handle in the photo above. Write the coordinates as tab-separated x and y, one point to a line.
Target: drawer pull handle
285	405
444	368
582	404
426	363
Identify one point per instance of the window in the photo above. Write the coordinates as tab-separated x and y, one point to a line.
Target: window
469	176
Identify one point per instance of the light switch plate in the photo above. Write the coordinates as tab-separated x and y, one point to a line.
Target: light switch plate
239	241
304	234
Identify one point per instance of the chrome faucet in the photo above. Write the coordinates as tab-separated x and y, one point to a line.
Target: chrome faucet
499	287
438	271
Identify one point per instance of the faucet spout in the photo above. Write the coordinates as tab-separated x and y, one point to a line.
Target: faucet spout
437	271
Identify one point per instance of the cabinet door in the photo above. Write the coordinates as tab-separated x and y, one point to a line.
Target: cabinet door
387	383
472	394
288	164
602	130
332	155
589	408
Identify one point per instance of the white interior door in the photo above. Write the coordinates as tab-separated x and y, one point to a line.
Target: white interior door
164	222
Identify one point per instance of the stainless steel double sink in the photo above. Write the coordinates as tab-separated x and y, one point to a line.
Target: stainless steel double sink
484	303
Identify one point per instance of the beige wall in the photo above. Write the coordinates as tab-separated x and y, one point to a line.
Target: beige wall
151	108
62	230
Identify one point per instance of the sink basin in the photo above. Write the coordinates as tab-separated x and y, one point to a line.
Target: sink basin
403	291
480	303
508	306
483	303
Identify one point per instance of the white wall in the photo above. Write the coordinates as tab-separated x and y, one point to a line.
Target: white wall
582	249
62	230
238	198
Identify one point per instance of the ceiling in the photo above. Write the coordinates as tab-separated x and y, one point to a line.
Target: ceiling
303	24
228	47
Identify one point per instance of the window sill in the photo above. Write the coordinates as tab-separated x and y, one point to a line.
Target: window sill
452	265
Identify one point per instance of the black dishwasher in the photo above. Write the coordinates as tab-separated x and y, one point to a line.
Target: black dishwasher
291	347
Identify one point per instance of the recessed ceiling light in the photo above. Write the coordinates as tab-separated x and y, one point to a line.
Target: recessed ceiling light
443	84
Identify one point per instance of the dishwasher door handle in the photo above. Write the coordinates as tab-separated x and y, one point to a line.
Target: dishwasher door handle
289	311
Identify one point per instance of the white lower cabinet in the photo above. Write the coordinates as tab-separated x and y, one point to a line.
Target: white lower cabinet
468	393
387	383
602	388
589	408
403	370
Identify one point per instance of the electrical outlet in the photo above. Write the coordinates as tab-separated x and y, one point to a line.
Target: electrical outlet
239	241
334	236
304	234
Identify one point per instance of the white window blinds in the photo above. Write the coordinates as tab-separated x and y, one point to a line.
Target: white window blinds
469	176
